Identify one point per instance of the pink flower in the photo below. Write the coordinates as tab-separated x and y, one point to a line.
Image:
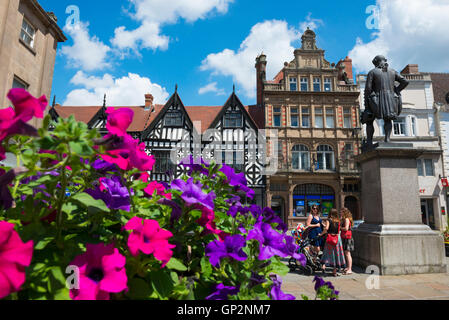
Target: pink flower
27	106
14	257
207	220
130	154
12	124
148	237
154	186
119	120
101	272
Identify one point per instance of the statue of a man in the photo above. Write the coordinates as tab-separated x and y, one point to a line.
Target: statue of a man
382	97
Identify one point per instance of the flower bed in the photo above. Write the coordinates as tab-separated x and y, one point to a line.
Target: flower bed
80	219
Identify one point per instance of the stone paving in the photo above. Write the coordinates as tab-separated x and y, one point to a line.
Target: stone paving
353	287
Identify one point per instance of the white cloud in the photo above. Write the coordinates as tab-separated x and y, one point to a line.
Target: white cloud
152	14
409	32
87	52
310	23
126	91
273	37
211	87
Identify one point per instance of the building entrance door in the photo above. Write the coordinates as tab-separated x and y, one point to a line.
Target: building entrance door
427	213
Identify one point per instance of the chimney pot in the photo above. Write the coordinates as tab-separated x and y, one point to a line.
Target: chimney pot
148	101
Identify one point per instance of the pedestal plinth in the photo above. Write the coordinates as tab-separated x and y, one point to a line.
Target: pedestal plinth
393	236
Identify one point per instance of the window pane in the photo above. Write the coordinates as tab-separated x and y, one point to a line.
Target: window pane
293	84
277	120
320	161
327	84
316	84
330	118
420	168
304	84
18	84
319	122
329	161
305	162
295	160
429	167
294	120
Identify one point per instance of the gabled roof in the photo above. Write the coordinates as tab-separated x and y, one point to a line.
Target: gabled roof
145	118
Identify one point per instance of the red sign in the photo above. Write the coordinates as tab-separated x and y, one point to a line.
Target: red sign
445	182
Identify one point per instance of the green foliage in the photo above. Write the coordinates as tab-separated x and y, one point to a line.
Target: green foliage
53	209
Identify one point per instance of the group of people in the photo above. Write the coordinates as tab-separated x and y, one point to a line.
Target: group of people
334	237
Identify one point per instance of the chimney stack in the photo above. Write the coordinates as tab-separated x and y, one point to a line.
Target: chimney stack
148	101
261	74
410	69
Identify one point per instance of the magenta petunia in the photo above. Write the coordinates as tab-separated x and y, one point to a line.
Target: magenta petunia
129	154
150	238
101	272
11	124
207	220
15	255
27	106
119	120
155	186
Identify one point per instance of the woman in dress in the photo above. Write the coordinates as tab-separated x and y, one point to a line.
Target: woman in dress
315	222
333	256
346	235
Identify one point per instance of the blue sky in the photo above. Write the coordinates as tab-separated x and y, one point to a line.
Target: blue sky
200	44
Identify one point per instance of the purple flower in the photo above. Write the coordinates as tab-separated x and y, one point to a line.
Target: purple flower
176	209
271	241
104	166
231	247
222	292
256	279
113	193
6	199
276	292
292	249
269	216
319	282
237	180
195	165
192	193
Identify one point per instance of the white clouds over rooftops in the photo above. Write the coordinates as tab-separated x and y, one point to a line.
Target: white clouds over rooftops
273	37
152	14
409	32
211	87
125	91
87	52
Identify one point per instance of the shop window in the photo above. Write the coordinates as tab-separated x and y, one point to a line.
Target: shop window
307	195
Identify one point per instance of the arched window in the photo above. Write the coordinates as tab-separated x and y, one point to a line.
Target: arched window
325	158
300	157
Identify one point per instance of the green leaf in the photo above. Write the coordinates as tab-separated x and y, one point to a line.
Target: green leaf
139	289
88	201
43	243
206	267
162	283
279	267
176	264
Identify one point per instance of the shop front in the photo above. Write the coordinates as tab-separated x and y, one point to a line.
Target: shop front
307	195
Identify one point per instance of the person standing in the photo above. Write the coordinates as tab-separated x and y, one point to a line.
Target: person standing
315	222
333	255
346	234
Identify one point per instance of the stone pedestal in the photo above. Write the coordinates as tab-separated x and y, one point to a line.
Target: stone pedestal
393	237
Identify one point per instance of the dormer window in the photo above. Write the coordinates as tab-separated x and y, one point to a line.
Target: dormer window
233	119
173	119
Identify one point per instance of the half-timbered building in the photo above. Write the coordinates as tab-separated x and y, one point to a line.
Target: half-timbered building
171	132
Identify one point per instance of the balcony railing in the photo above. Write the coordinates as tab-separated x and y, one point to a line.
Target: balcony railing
281	87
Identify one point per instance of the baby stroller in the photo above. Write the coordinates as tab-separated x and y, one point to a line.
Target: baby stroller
313	263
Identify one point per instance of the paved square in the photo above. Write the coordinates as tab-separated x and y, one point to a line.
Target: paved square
353	287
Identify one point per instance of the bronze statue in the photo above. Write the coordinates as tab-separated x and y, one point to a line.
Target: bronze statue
382	97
